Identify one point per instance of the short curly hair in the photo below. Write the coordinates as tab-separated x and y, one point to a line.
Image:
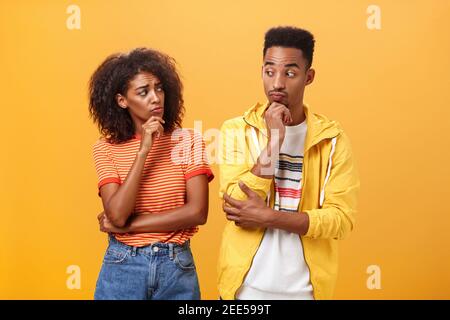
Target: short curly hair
113	77
291	37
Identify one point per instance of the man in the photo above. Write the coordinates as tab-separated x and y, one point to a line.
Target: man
289	185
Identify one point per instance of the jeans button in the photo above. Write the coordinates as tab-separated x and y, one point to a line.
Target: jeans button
155	249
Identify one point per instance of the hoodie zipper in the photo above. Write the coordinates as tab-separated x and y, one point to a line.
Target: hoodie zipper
300	206
248	267
301	201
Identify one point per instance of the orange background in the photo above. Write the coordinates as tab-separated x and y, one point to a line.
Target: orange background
389	88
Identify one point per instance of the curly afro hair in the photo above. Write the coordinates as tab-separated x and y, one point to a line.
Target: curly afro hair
291	37
113	77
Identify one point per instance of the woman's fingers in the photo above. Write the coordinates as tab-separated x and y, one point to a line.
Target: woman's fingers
155	127
154	119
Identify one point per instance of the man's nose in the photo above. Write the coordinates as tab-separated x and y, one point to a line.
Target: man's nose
279	83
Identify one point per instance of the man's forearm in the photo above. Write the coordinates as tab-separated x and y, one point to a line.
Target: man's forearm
292	222
265	164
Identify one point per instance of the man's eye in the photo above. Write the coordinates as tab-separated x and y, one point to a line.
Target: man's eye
269	73
290	74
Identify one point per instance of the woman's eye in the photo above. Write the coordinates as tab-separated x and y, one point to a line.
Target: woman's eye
143	93
159	89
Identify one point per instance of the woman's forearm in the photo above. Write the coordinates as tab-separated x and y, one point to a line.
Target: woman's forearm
183	217
121	204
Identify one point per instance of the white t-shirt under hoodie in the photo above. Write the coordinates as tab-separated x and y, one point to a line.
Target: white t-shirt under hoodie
279	270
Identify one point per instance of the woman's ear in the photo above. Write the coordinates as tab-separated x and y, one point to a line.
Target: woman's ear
121	101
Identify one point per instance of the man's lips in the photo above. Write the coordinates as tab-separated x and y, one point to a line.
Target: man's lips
277	96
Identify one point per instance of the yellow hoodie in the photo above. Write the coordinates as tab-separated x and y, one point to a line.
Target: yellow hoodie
330	186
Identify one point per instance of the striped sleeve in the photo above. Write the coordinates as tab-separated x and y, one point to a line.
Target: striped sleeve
104	165
198	162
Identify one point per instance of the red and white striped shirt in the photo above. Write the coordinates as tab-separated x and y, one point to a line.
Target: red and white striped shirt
174	158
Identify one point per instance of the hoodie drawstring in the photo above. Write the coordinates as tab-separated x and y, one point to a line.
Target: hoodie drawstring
258	150
322	192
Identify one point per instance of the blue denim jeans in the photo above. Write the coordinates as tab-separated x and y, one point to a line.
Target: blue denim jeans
160	271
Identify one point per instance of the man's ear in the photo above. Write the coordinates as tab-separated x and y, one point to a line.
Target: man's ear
121	101
310	74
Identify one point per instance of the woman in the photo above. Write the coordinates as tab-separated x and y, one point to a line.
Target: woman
152	177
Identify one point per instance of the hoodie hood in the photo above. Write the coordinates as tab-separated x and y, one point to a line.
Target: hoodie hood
319	127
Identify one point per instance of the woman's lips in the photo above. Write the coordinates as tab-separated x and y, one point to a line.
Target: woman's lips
157	109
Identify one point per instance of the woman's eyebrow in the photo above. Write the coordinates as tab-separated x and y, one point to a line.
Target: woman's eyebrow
141	87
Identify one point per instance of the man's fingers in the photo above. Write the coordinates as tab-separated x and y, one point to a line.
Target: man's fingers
276	105
279	107
232	217
230	210
282	112
286	112
249	192
233	202
287	117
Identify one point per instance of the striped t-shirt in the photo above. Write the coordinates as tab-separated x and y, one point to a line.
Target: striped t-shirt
279	270
172	160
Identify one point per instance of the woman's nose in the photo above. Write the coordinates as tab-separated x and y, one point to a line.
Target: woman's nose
154	98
